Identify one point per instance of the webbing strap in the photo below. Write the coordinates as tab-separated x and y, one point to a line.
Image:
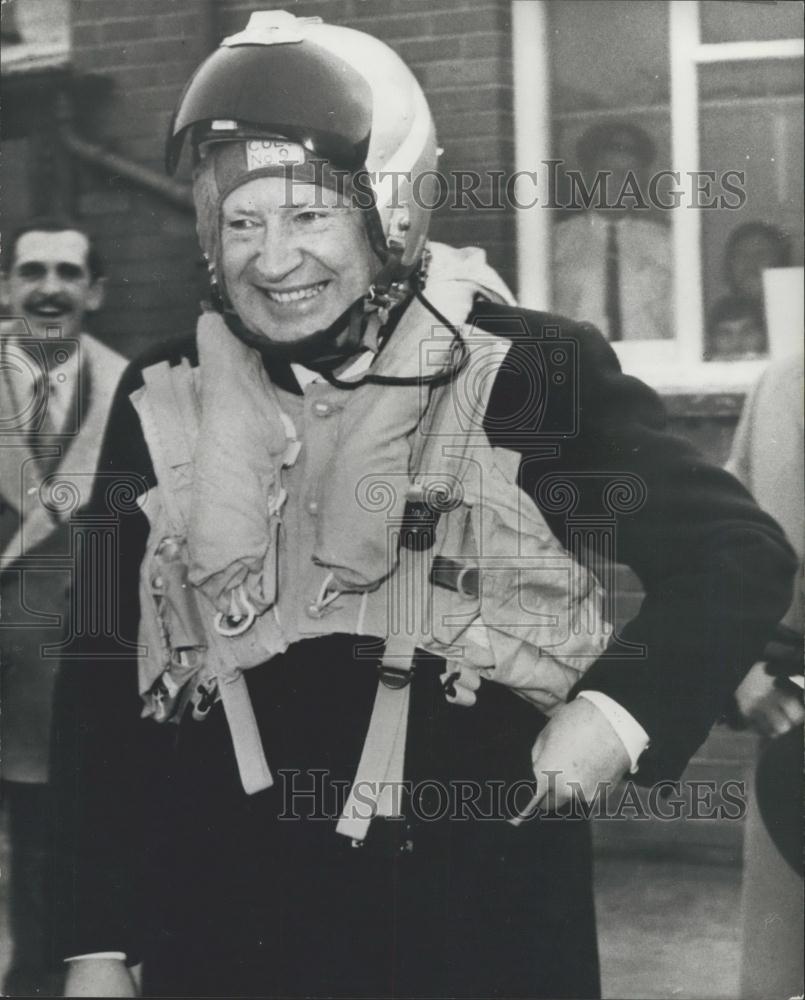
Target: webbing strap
252	765
377	787
378	780
188	402
163	419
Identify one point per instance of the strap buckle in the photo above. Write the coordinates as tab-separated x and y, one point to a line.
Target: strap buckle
395	678
204	698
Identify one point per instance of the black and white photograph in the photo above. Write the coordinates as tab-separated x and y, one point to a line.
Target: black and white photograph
402	501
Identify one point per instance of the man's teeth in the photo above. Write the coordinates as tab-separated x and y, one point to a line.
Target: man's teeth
295	296
49	311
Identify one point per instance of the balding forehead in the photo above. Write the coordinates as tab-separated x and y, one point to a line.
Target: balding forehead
67	246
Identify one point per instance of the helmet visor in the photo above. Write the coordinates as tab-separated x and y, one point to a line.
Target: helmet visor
298	90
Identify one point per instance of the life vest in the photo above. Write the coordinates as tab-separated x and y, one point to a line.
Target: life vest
395	519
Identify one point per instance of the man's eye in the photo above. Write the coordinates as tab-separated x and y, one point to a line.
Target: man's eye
241	225
32	272
310	216
70	272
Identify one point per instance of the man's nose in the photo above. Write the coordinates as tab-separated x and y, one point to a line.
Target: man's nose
51	283
280	254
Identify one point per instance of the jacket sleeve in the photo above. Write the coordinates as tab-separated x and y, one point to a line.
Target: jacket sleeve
105	760
716	570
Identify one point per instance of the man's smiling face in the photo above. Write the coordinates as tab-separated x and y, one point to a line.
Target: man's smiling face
49	281
293	257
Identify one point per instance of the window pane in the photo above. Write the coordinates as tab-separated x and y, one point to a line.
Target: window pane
612	252
752	137
734	80
608	54
737	21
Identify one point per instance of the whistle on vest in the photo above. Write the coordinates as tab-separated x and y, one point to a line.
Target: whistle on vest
181	623
418	529
424	507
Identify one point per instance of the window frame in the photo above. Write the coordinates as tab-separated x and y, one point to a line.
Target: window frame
675	365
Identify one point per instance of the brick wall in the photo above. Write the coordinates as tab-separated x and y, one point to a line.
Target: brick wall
146	49
459	50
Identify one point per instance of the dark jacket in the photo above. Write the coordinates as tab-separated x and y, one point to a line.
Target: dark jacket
716	572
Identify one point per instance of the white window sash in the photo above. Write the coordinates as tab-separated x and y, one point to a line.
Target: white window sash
532	147
669	365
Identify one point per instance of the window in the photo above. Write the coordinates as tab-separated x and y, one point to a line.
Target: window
36	36
718	89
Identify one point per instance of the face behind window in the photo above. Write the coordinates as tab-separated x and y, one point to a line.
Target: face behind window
750	256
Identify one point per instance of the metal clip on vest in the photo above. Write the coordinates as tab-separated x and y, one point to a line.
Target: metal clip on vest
238	619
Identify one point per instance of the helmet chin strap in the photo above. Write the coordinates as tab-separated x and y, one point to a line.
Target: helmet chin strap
326	348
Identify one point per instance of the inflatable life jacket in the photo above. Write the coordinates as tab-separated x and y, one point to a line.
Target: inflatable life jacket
382	511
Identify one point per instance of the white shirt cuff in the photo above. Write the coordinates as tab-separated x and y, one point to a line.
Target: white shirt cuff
98	954
631	734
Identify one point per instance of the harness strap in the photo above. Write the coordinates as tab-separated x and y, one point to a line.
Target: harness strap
255	774
380	769
377	787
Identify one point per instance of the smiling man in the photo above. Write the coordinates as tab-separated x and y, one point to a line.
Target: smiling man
293	258
56	388
366	653
54	278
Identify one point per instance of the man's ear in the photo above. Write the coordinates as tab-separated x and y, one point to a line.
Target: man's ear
96	294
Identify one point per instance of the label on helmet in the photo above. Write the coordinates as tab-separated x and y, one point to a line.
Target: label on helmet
272	153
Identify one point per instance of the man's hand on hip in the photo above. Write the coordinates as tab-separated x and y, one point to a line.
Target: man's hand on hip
574	754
